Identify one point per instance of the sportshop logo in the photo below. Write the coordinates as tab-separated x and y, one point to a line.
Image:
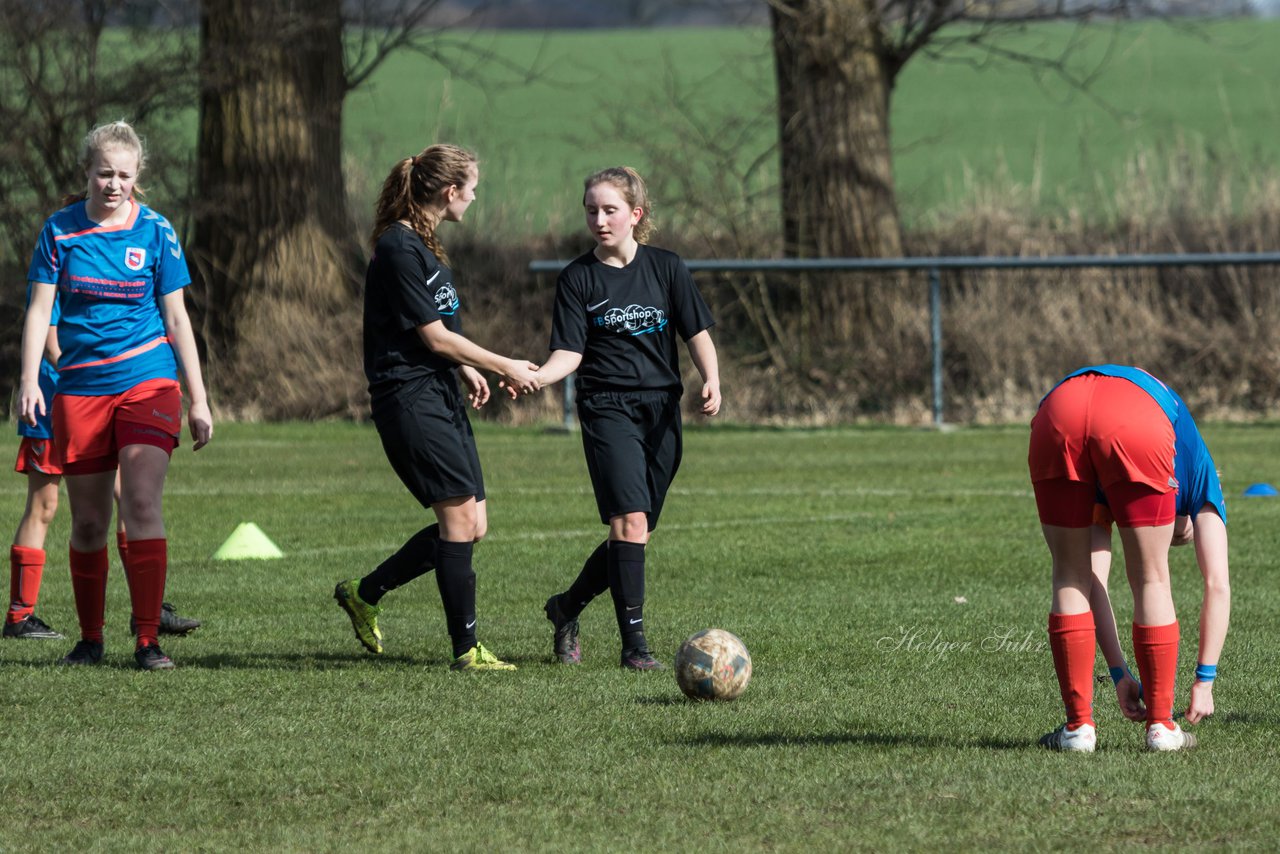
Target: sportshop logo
447	300
633	320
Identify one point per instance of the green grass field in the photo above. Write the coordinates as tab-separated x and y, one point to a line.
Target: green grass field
883	714
1207	87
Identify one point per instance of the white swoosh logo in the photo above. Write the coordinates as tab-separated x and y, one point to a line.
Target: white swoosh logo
633	622
471	624
597	305
433	277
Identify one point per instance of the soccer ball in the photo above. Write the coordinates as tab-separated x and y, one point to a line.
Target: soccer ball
713	665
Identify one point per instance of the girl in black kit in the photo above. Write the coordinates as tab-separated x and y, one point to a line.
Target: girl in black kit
618	311
412	350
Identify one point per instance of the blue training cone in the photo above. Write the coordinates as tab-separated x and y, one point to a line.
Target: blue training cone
1260	490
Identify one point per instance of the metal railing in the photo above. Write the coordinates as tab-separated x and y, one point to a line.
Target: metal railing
935	266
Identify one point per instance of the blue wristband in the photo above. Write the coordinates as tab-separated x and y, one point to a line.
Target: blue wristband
1117	673
1206	672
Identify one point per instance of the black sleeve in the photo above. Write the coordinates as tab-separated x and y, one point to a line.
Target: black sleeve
569	315
689	311
410	278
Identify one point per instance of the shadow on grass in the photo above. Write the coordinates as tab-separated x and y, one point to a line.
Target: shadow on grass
326	660
234	661
295	660
284	661
872	739
676	699
1270	719
817	739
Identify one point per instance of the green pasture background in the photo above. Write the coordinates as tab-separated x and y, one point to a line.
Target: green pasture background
891	584
959	126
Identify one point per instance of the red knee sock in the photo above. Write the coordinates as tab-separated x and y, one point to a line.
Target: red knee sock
26	568
1156	649
1071	639
122	546
89	583
146	570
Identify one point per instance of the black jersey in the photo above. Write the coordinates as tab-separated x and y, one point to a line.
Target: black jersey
405	287
624	321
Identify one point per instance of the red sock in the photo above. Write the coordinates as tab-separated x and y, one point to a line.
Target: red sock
146	570
89	583
1071	639
26	568
122	546
1156	649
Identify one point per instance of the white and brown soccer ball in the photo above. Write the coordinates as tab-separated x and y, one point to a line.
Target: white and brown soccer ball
713	665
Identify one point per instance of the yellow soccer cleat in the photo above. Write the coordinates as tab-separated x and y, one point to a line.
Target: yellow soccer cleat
477	659
364	617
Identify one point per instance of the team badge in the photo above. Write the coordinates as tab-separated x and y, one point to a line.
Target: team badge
135	257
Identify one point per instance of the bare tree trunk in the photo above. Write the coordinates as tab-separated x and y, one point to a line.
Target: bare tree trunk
834	82
276	255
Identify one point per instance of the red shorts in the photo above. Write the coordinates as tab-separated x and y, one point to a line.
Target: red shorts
91	430
39	456
1102	433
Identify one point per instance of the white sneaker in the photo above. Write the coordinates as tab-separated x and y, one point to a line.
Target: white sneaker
1082	739
1160	738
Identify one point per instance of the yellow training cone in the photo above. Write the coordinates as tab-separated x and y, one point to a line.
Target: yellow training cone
247	542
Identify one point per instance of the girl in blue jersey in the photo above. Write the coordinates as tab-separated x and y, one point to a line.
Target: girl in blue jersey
1201	519
38	460
1109	428
118	273
618	312
414	356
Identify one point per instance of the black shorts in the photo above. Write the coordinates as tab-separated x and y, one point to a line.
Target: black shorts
633	443
428	440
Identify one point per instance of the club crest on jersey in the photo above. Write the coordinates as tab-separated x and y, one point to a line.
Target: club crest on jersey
134	257
447	299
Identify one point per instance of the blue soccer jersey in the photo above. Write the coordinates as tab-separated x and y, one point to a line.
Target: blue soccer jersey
48	388
1193	467
1198	482
110	283
44	423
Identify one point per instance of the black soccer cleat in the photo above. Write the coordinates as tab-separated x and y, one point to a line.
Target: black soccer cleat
84	653
150	657
171	622
639	658
567	648
31	628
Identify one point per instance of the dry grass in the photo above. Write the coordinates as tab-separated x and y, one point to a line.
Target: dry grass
824	349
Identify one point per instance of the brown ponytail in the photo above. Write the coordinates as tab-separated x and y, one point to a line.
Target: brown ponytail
413	184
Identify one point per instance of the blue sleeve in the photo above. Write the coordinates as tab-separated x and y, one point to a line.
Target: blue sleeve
171	267
44	261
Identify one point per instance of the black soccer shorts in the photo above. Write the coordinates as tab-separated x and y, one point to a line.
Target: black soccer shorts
633	441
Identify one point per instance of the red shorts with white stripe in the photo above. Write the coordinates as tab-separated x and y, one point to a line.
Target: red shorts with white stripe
91	430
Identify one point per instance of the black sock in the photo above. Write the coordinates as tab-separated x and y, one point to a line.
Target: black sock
626	582
416	557
457	582
590	583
